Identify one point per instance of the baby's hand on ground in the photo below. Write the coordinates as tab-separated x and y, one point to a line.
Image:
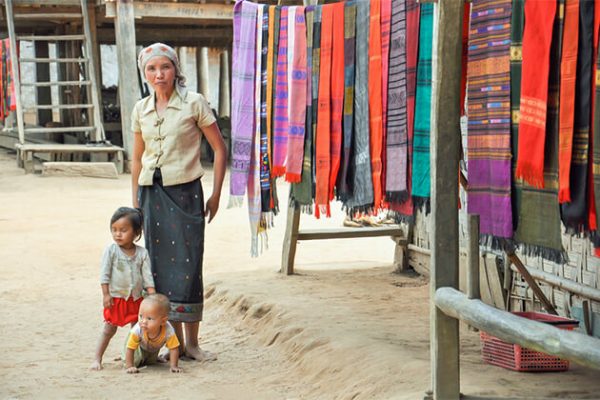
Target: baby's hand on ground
96	366
176	369
107	301
132	370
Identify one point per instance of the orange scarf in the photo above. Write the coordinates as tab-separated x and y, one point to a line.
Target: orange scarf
375	105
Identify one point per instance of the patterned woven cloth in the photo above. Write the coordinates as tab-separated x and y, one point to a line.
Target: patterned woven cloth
337	94
281	122
265	103
375	105
421	185
489	156
242	113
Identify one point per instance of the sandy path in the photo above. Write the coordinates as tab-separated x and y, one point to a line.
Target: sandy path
345	327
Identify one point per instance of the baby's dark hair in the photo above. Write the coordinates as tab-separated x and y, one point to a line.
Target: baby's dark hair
161	301
133	215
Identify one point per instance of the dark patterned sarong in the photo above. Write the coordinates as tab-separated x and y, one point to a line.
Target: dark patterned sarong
174	235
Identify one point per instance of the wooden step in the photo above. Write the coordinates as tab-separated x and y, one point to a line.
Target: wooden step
57	83
58	106
348	233
61	129
75	168
50	38
48	16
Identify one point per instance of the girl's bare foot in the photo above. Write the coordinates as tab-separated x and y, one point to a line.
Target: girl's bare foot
96	366
196	353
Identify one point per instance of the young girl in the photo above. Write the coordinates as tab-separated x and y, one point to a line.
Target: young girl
125	271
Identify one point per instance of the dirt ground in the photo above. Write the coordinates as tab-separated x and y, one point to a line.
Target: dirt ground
344	327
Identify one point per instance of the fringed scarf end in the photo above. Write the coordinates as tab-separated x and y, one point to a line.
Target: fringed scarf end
497	243
254	247
277	171
547	253
422	203
292	177
235	201
400	218
564	195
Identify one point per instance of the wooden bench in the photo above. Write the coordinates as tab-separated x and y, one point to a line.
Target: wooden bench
25	153
293	235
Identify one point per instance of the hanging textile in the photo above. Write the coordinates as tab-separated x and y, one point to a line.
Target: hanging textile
404	210
397	132
362	196
591	201
3	115
254	187
346	178
242	116
302	192
465	52
568	68
574	213
488	153
539	214
386	20
421	184
316	64
375	106
596	133
297	112
281	122
265	97
337	94
323	139
537	37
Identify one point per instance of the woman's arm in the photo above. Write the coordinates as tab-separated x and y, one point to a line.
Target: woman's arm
136	165
215	140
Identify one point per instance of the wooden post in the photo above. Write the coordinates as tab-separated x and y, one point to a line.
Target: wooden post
290	239
42	72
202	65
224	92
473	290
95	63
445	154
126	55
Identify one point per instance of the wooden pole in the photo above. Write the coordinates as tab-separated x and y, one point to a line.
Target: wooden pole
290	239
224	91
126	56
532	284
570	345
473	289
445	154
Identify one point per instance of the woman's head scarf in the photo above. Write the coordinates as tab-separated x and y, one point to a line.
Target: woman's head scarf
161	49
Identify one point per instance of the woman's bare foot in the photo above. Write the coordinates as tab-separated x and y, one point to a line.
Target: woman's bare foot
96	366
196	353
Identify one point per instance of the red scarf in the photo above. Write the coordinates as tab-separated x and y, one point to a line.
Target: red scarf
375	105
592	221
323	135
337	93
537	38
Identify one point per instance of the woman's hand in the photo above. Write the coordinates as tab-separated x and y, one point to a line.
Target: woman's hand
107	301
212	206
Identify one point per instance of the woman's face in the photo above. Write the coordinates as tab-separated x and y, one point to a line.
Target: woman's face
160	73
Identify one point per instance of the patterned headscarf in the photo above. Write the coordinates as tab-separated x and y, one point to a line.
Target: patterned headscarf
160	49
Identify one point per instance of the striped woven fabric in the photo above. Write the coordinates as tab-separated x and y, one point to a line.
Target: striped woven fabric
516	56
397	133
316	64
421	184
281	122
265	174
242	112
386	20
297	111
345	180
574	214
489	155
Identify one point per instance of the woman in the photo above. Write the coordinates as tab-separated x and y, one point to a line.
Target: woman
168	127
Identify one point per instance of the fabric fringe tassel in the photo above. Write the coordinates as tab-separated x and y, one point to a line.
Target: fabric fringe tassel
267	220
497	243
530	174
366	209
293	178
235	201
422	203
277	171
554	255
396	197
400	218
254	247
306	209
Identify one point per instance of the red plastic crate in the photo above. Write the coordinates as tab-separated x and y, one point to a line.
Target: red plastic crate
512	356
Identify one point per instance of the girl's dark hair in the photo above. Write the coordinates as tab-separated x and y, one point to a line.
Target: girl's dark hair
135	217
